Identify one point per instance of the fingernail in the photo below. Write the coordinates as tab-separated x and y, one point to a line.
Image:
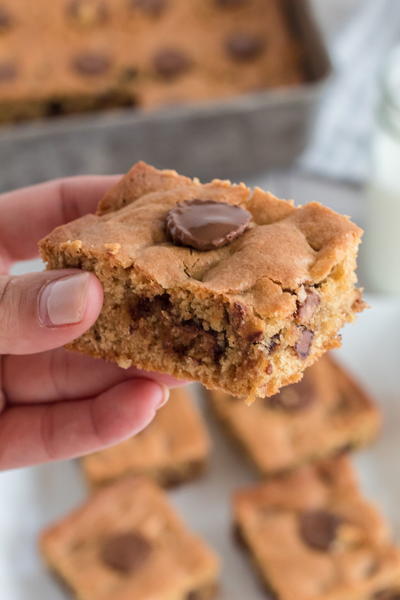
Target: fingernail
64	301
165	395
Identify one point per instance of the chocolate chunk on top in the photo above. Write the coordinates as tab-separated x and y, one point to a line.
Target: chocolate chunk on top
6	19
151	7
8	71
206	224
170	63
245	46
125	552
318	529
294	398
88	12
303	344
91	64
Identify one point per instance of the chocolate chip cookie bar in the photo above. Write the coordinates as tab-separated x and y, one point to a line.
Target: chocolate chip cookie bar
173	449
325	413
97	54
127	542
215	282
313	536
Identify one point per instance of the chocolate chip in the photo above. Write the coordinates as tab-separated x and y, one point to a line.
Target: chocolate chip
387	595
244	46
231	3
125	552
54	108
295	397
151	7
274	343
8	71
91	64
170	63
305	310
318	529
303	344
205	224
6	20
88	12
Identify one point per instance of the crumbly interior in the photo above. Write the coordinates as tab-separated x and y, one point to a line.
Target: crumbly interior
327	413
234	318
193	338
359	563
173	449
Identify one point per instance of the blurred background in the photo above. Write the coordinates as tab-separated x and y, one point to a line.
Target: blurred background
311	113
330	134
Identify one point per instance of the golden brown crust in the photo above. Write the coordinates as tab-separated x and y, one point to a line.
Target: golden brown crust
173	449
300	246
326	413
176	562
360	559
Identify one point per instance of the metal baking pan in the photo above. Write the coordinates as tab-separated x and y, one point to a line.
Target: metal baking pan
234	139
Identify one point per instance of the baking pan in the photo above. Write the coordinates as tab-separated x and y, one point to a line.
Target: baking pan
233	139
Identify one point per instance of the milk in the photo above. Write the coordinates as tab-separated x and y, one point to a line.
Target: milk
381	252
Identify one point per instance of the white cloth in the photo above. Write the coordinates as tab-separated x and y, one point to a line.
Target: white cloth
340	139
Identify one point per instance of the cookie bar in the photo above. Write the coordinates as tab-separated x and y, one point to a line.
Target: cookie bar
97	54
127	542
214	282
325	413
313	536
173	449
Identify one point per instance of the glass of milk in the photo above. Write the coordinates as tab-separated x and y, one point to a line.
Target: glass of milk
382	237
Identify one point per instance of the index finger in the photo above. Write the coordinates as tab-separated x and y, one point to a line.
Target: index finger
28	214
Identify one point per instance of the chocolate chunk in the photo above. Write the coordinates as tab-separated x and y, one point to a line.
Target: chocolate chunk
318	529
231	3
387	595
244	46
170	63
296	397
303	344
273	343
306	309
153	8
8	71
125	552
91	64
205	224
6	20
88	12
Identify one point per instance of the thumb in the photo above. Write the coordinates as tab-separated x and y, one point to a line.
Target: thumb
42	311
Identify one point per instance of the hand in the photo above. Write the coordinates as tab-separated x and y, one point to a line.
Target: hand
56	404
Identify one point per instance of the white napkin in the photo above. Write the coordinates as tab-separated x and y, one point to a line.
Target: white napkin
339	142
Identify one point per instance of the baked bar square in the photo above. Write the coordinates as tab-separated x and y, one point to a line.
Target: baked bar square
313	536
325	413
174	448
248	312
127	542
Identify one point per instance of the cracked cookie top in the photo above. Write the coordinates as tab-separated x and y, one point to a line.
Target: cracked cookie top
284	250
